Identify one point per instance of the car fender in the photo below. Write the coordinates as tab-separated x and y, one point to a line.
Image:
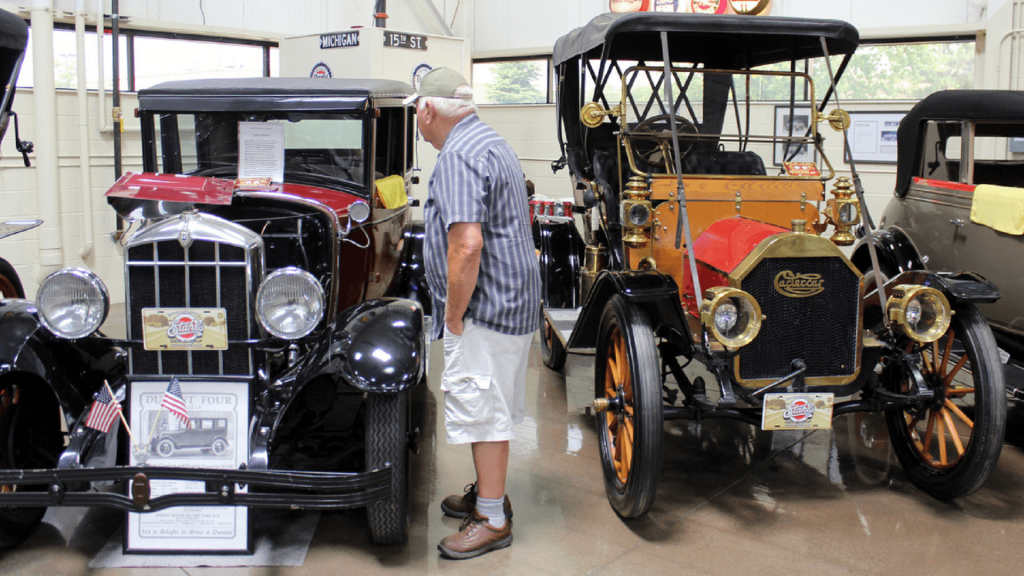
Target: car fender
896	252
411	279
72	369
375	346
656	293
957	286
561	259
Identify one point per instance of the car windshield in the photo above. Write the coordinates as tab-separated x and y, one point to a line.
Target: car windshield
319	149
744	116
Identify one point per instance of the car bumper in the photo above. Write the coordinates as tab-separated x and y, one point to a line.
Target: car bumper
265	488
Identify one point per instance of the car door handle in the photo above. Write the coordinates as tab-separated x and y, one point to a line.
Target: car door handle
958	222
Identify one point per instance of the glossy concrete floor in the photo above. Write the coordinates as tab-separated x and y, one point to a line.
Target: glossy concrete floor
732	500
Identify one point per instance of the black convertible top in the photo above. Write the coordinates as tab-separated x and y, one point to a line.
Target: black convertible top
279	89
720	41
990	105
284	86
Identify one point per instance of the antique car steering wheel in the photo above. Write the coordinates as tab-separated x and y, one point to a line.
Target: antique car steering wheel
651	139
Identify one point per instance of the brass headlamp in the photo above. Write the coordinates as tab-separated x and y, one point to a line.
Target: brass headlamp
731	316
636	213
842	212
921	311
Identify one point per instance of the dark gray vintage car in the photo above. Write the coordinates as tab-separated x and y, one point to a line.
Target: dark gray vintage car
959	203
306	293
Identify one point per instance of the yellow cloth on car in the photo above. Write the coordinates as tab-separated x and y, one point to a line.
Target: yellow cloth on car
392	191
999	207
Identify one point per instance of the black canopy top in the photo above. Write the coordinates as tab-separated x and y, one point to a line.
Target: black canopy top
13	32
284	92
717	41
977	105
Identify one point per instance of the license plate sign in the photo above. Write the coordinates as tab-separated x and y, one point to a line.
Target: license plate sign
797	411
194	329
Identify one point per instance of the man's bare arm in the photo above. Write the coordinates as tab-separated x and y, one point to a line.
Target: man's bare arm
465	243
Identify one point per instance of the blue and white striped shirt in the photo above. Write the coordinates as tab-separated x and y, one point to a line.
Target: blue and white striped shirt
478	179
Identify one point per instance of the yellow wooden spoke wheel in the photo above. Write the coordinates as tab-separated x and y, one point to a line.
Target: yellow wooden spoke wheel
950	444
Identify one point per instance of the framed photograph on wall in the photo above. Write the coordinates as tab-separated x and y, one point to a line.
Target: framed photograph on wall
873	137
798	119
189	423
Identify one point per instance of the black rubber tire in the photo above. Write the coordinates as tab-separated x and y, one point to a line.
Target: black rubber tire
387	442
219	446
551	348
968	472
633	496
10	284
165	448
30	438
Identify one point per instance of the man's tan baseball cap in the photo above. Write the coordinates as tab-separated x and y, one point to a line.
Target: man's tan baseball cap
438	83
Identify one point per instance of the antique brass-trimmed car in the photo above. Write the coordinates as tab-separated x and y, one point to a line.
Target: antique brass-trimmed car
308	290
695	247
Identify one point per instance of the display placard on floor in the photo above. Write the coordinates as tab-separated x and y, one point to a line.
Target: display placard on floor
188	423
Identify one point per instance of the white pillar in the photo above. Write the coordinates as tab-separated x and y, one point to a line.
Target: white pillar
51	235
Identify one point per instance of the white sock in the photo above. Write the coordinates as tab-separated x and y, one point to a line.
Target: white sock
493	509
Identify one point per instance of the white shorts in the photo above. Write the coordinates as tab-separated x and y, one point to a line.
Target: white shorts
484	384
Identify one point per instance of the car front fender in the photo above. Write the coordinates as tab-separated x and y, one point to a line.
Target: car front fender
375	346
896	252
73	369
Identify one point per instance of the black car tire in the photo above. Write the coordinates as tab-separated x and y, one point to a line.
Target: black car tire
387	443
551	348
10	284
30	438
219	446
952	474
630	440
165	448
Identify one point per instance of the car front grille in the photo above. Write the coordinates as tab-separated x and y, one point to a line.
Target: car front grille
210	273
822	329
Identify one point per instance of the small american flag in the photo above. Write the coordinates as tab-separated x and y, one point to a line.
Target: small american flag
104	411
175	402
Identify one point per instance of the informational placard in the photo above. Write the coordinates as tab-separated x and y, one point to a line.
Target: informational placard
792	121
261	150
872	137
213	436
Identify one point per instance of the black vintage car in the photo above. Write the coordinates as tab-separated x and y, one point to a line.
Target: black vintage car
206	434
959	204
703	242
307	290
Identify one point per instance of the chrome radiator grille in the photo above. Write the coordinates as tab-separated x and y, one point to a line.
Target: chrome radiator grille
207	274
821	329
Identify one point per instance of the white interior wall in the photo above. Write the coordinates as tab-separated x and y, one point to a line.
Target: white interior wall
19	197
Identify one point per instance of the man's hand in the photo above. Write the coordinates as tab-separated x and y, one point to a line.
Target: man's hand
465	243
455	326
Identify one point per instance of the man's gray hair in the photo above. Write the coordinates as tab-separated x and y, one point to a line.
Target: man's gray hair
453	107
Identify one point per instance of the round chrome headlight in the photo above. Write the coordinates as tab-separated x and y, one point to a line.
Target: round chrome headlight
72	303
922	312
290	303
731	315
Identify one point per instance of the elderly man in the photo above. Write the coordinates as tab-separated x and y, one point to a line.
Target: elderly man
484	280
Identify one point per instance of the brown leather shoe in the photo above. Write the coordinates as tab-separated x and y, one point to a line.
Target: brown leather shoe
476	537
462	506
